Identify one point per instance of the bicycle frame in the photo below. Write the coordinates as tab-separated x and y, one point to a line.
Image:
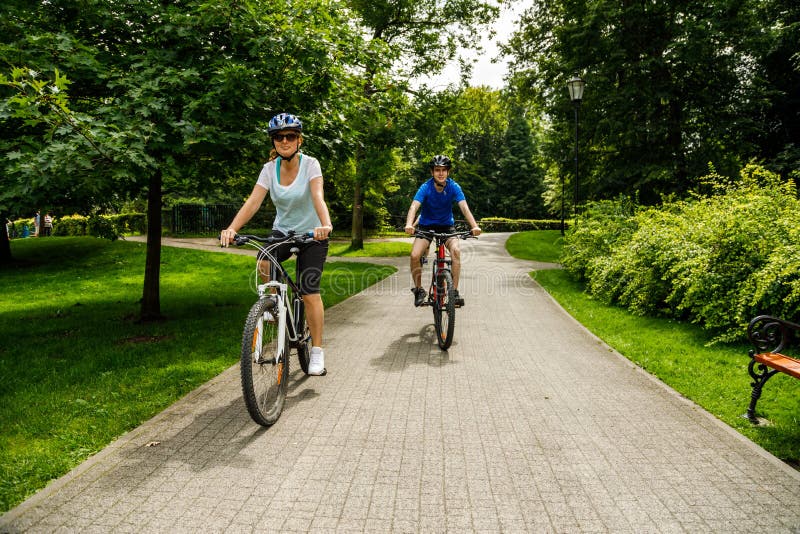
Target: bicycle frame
284	310
281	282
442	261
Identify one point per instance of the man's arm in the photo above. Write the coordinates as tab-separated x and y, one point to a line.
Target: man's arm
473	226
412	211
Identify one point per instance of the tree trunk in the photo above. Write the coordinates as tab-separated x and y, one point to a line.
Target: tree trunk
151	302
357	237
5	247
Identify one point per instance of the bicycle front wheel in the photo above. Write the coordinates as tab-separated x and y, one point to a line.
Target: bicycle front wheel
265	371
444	309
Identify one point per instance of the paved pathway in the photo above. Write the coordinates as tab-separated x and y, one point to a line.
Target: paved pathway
528	424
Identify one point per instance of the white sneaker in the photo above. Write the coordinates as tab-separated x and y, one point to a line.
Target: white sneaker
317	364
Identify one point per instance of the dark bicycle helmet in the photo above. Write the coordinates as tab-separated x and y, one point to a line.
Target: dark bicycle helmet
284	121
441	161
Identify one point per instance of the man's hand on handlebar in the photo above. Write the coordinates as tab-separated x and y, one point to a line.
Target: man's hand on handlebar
476	231
410	230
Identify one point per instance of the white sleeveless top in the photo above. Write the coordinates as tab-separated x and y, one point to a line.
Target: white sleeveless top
295	209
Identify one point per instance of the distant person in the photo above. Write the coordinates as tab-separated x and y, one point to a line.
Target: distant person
436	198
48	224
37	221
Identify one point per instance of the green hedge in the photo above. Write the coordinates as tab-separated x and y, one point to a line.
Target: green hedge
105	226
500	224
715	260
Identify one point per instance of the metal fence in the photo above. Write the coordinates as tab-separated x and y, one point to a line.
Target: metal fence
198	218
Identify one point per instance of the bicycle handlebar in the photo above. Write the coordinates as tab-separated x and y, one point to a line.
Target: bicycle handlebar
243	239
425	234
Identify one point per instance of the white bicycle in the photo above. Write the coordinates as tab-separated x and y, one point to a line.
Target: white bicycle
275	325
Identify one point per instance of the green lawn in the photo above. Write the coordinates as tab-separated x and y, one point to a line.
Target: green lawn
541	245
679	354
77	370
393	249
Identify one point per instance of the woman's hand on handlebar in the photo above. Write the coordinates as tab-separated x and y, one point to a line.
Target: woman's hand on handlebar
321	233
409	230
476	231
226	237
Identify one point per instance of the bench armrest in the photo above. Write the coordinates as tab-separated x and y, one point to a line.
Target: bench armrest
770	334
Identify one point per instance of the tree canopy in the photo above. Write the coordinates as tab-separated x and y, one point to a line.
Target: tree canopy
105	102
157	97
671	86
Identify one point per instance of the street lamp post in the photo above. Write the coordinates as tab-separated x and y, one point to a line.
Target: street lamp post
575	86
562	203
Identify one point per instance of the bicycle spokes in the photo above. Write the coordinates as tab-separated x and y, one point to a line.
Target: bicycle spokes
264	365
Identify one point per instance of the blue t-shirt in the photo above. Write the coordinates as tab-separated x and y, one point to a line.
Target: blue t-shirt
437	208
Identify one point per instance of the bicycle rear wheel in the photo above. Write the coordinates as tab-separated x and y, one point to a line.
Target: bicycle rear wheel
304	343
265	372
444	309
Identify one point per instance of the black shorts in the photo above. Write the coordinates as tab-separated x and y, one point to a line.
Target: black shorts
439	229
310	259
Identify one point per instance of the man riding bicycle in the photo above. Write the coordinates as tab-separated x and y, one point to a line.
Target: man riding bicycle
436	197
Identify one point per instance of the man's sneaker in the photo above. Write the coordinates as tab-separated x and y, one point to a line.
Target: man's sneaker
458	300
317	364
419	296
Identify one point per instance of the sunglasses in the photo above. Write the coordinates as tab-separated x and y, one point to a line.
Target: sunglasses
291	137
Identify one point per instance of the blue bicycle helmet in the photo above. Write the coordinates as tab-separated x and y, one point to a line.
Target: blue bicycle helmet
284	121
441	161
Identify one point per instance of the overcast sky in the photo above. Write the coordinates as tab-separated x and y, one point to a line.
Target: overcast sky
485	72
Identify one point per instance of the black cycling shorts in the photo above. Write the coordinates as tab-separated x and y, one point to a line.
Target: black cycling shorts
310	258
439	229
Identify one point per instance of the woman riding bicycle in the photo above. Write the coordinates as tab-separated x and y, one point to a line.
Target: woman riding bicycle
436	197
294	183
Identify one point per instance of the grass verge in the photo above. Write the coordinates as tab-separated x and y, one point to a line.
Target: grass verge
393	249
77	370
541	245
713	376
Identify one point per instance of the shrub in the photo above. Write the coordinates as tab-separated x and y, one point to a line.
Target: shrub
100	226
19	226
717	260
104	226
595	235
129	223
500	224
71	225
632	274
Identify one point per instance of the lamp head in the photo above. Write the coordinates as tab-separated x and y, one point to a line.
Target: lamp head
575	86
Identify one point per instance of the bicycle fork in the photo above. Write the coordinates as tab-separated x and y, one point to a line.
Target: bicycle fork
284	314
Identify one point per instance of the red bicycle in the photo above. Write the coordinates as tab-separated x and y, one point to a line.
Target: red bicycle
441	295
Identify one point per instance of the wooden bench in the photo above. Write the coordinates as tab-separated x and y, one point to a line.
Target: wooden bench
770	336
